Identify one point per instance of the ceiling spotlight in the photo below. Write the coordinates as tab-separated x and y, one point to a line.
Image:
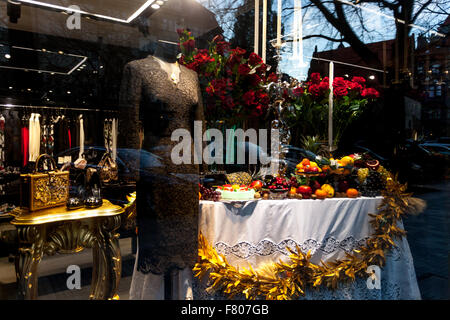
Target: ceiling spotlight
68	92
28	89
50	91
371	77
7	56
156	6
10	88
160	2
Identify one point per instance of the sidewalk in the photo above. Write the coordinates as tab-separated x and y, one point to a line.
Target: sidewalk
429	238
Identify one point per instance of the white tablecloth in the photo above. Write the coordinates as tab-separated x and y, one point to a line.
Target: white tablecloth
259	231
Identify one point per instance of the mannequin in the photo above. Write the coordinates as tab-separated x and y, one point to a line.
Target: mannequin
162	96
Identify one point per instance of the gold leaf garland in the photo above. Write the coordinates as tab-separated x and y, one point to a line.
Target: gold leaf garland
288	280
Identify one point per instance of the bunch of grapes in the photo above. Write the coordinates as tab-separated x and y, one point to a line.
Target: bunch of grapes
293	183
373	185
362	174
209	193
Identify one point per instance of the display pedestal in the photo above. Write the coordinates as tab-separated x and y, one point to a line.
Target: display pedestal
58	230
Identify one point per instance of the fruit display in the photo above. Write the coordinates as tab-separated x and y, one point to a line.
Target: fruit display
349	176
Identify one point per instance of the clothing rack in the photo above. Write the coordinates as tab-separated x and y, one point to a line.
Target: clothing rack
13	106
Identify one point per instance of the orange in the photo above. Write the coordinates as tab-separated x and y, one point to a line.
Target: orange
199	196
321	194
352	193
293	190
329	190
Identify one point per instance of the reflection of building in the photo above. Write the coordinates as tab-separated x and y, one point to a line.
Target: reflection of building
432	57
353	65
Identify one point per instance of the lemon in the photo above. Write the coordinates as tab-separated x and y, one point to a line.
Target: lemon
347	161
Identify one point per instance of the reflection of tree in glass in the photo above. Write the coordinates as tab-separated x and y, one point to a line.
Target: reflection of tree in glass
357	23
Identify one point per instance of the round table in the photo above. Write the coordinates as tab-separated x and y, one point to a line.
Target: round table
259	231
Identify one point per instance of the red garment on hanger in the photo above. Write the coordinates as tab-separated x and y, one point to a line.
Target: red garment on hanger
70	139
24	147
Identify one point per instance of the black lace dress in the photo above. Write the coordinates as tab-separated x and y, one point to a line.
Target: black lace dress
167	193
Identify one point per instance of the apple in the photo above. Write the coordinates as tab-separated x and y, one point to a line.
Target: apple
257	184
305	191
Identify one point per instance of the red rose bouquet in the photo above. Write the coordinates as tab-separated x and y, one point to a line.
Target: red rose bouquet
231	79
310	101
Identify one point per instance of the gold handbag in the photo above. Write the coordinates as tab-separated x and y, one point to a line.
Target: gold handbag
42	190
108	170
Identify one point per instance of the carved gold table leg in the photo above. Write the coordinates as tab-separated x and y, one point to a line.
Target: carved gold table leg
107	266
31	240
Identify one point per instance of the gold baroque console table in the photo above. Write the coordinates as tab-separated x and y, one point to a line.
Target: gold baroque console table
58	230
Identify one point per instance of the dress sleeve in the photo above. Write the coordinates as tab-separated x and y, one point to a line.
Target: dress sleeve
129	124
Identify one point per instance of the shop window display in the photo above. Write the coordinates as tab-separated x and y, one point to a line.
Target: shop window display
190	149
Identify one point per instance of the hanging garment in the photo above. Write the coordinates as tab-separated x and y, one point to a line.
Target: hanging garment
44	135
34	137
115	127
13	135
81	141
25	144
107	128
2	142
61	136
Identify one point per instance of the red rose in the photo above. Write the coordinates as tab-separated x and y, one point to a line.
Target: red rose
254	59
254	79
263	98
339	82
359	80
297	91
249	97
189	45
370	93
243	69
324	85
314	90
262	69
234	59
315	78
238	51
222	47
355	86
340	91
272	77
